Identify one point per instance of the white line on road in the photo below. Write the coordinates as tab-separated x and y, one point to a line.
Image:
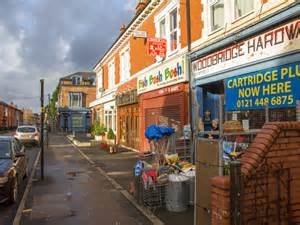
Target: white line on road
147	213
18	216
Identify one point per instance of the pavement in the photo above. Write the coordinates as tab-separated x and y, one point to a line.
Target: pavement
8	212
75	193
120	167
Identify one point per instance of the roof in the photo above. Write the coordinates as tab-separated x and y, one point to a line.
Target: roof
84	75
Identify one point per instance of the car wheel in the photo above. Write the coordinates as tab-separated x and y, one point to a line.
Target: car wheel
13	192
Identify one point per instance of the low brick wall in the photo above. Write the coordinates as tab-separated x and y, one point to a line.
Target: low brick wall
270	171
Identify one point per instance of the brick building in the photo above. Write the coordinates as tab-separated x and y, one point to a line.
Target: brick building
248	50
10	116
126	105
76	91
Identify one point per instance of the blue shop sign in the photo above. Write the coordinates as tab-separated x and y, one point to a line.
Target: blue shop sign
277	87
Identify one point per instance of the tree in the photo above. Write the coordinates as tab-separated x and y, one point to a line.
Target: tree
52	109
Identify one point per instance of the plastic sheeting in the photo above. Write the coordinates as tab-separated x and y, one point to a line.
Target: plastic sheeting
154	132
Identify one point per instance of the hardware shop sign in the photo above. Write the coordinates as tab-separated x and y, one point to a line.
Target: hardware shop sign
278	87
271	43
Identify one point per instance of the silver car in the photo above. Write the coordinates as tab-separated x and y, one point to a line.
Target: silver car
28	134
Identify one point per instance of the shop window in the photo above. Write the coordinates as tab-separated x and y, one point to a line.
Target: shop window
216	14
243	7
137	130
173	30
75	100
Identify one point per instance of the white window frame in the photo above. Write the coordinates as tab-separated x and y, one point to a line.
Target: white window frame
111	74
236	17
99	83
209	17
77	78
165	14
125	65
71	104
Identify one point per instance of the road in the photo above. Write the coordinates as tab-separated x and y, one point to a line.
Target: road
7	212
75	193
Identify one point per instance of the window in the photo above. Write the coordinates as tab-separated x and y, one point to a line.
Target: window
173	30
166	24
162	29
111	74
76	80
125	65
243	7
75	100
99	83
216	14
110	119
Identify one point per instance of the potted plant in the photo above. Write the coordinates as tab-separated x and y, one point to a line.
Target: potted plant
111	140
98	131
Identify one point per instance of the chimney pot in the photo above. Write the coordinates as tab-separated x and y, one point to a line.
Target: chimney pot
140	6
123	28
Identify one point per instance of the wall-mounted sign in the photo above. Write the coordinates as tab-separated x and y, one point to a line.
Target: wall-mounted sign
277	87
278	41
157	47
168	73
140	34
126	98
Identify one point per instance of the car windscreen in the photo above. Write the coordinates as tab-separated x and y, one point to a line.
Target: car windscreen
26	129
4	149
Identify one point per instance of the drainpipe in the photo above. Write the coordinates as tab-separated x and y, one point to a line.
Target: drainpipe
191	105
191	96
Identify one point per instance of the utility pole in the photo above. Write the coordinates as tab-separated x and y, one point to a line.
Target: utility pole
42	128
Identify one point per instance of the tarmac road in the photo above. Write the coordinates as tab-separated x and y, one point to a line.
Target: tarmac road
75	193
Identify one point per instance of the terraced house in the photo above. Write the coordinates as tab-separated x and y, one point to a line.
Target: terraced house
10	116
233	65
76	91
135	88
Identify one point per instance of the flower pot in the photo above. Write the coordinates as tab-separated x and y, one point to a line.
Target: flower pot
98	138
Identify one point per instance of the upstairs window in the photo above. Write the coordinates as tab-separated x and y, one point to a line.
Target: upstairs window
162	28
216	14
243	7
173	30
125	65
76	80
99	83
111	74
75	100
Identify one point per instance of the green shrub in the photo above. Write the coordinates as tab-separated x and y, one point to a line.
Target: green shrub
97	129
111	135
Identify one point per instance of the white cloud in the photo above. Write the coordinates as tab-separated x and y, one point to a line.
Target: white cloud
130	5
10	60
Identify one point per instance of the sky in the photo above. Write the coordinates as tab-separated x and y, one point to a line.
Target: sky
48	39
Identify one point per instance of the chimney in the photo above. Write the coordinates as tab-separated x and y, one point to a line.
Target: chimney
141	4
122	28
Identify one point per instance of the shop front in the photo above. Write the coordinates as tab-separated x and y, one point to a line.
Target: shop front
163	98
239	88
128	119
74	120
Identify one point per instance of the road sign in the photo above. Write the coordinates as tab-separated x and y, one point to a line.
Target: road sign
157	47
140	34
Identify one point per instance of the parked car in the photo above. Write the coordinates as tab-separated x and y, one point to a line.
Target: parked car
28	134
13	168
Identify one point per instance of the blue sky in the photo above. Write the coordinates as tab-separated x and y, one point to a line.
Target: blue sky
52	38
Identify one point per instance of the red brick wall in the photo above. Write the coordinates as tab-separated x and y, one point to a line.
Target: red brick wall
271	174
